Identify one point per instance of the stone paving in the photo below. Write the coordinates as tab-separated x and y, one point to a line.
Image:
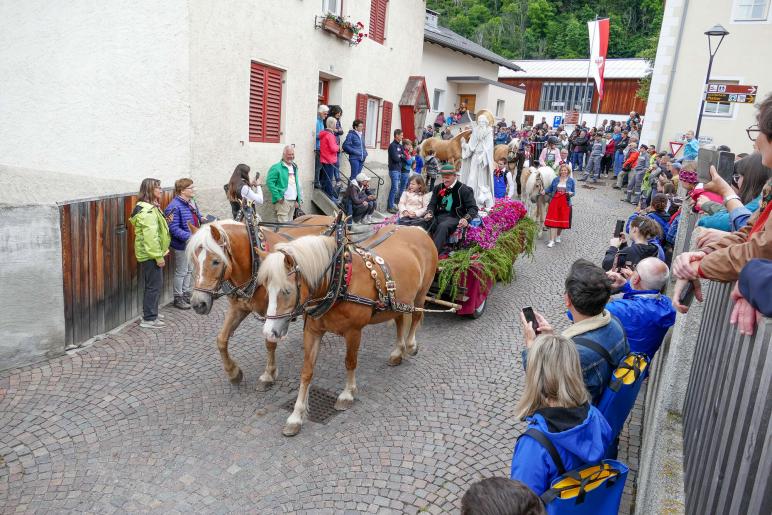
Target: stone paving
147	421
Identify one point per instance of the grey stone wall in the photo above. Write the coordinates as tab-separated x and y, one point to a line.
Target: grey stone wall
31	296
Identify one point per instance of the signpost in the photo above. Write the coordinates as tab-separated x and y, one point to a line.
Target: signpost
675	147
556	121
734	93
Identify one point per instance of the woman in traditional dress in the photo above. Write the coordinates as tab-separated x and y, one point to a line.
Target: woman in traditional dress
558	217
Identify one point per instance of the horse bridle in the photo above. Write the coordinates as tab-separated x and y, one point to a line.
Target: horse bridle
217	291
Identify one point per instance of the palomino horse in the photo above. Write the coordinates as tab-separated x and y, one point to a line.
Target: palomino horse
219	252
296	277
448	151
534	182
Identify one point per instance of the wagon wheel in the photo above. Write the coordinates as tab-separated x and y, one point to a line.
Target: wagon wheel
479	310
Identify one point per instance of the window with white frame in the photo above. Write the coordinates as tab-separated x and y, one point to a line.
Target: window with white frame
437	99
499	108
751	10
371	122
723	109
332	6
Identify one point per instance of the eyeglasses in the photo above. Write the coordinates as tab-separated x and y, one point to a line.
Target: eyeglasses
736	177
753	131
189	187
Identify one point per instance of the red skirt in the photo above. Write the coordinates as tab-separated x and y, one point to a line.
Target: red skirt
558	212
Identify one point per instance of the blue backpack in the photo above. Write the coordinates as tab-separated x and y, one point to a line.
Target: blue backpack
593	489
618	398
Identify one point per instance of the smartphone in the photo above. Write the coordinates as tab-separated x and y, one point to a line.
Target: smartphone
530	316
619	228
725	166
687	294
706	158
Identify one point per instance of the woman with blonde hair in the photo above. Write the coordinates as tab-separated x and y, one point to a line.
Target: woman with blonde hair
562	189
557	406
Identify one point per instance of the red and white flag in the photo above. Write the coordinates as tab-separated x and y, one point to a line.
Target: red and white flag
598	48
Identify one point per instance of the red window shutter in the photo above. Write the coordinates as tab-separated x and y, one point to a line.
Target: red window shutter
377	29
273	106
386	124
361	110
265	92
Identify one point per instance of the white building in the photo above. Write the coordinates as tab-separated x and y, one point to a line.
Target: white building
679	74
458	70
183	88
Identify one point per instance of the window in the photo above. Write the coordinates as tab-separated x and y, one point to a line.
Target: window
371	122
722	109
751	10
332	6
265	91
564	96
499	108
377	29
323	92
437	99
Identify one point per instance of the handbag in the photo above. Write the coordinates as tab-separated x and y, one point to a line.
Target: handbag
298	213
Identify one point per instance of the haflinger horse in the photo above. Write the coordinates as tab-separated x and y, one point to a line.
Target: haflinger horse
220	254
534	182
448	151
340	288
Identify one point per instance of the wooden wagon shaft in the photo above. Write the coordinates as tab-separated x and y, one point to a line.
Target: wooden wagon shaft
441	302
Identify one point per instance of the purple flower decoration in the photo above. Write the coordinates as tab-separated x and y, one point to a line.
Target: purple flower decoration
502	217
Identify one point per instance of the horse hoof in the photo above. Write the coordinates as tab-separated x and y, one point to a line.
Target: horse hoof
343	404
395	361
264	386
413	351
237	379
290	429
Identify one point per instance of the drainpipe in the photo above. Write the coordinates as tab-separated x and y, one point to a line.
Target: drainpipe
672	72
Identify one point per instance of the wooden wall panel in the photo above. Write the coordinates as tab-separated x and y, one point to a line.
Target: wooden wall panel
101	283
619	97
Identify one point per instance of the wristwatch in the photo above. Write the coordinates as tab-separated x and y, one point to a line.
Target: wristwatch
730	197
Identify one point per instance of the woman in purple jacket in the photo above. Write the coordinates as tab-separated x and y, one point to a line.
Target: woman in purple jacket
181	210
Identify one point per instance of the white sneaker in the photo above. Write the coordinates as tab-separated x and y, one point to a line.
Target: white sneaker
550	244
557	240
152	324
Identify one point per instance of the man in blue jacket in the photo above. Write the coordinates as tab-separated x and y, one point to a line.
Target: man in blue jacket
644	312
599	336
354	146
397	160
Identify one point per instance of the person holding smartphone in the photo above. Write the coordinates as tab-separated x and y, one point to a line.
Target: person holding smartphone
558	218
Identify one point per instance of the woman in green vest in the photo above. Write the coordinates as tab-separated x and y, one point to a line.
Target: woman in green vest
151	245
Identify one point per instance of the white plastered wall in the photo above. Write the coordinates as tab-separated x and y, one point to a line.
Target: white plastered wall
95	89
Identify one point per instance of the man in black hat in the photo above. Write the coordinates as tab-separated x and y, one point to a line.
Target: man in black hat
452	205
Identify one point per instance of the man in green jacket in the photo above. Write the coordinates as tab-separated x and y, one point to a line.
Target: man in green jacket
284	185
151	244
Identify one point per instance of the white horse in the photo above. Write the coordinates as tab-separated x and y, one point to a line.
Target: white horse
534	182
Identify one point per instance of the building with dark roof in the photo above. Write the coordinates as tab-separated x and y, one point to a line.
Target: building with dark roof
459	71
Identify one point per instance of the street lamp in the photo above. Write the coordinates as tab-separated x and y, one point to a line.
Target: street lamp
719	32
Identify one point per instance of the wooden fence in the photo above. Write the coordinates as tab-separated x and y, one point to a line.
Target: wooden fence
727	453
102	286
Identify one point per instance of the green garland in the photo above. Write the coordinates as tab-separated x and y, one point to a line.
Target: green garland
496	264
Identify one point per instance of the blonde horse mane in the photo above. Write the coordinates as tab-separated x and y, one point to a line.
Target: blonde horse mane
203	239
311	254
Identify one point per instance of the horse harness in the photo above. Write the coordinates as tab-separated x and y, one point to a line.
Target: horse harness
340	277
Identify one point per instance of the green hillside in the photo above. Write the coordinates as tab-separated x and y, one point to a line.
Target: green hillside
553	29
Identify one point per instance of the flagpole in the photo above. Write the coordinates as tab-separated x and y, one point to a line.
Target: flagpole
587	78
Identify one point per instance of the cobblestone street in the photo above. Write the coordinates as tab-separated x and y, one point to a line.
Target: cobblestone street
147	421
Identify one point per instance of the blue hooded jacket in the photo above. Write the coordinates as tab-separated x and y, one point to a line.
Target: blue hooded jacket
178	213
646	316
722	220
580	435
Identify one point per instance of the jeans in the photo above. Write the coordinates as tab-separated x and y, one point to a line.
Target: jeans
404	178
356	167
395	177
183	271
326	177
617	162
152	274
577	161
317	168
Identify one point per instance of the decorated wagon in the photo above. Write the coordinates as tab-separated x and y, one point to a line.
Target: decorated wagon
482	255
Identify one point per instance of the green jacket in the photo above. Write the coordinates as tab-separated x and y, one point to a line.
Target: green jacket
277	179
151	233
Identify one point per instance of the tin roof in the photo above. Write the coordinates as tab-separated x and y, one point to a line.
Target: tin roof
449	39
573	68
